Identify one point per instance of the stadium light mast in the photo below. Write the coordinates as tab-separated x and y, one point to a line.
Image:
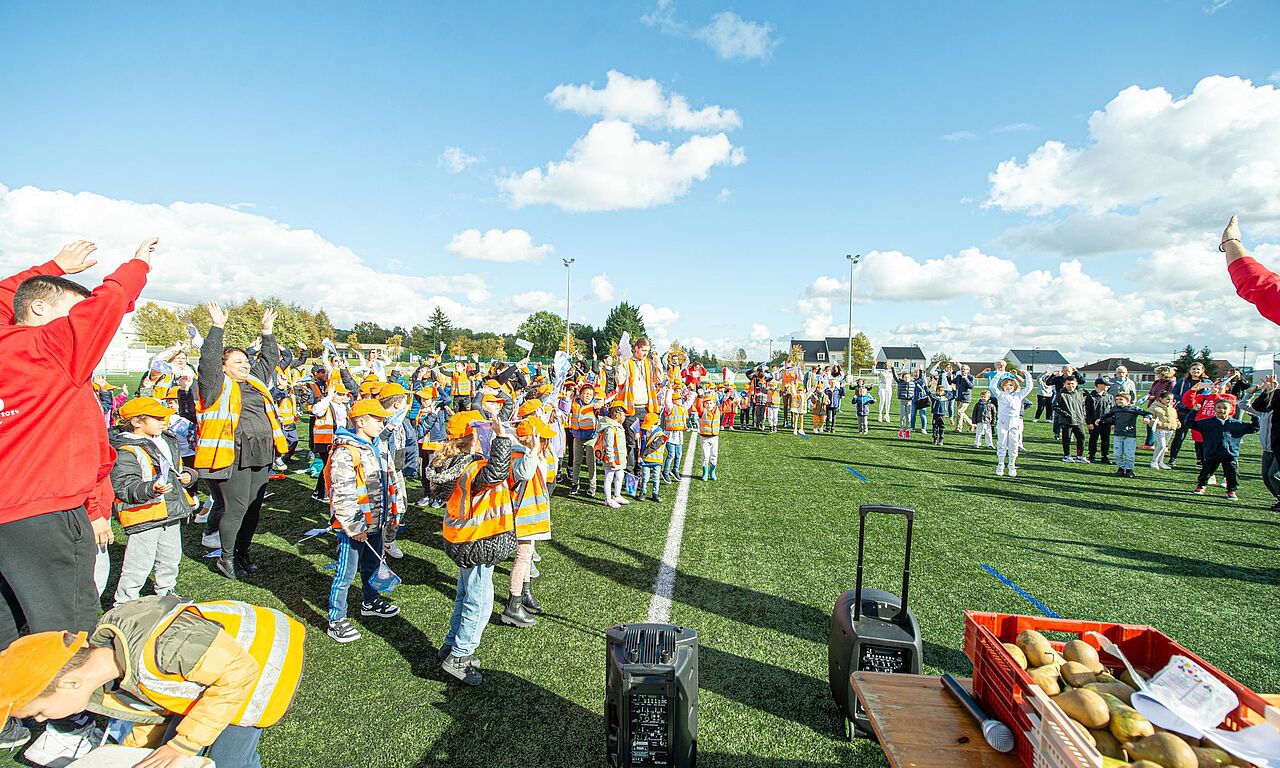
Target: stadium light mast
568	346
848	360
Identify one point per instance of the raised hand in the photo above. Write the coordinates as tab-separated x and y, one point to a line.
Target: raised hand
216	314
1232	232
74	258
145	250
268	320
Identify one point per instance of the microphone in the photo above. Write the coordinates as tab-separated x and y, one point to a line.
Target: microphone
995	732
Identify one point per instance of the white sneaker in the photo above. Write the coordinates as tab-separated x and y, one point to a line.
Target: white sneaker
1069	459
426	501
999	470
393	550
1213	479
1165	466
279	465
58	748
1156	466
211	540
1013	471
622	501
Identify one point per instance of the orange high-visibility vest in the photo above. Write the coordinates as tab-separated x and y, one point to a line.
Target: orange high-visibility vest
216	438
640	370
676	419
362	488
287	408
461	384
532	507
477	513
583	416
273	639
148	511
322	427
709	420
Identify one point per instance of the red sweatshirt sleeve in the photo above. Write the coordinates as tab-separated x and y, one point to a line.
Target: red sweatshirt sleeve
1257	285
98	504
9	286
81	339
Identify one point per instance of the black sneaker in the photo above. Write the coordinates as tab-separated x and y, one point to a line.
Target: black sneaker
14	734
343	631
463	668
1129	473
444	652
380	608
655	497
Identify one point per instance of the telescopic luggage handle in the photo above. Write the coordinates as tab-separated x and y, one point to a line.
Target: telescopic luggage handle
863	511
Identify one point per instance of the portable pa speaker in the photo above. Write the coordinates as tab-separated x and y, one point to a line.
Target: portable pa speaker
651	696
871	631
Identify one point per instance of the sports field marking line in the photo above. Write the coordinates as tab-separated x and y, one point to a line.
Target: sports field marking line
664	584
1022	592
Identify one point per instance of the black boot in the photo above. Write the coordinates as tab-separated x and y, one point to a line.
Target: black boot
226	566
243	563
515	614
530	605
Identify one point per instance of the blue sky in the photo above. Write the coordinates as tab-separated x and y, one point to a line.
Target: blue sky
867	127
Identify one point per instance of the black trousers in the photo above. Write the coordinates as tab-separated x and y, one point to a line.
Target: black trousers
1184	417
1100	436
241	495
939	428
1228	470
633	443
322	451
1067	431
1044	405
46	575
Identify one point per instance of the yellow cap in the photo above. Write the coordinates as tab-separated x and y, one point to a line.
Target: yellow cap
461	424
30	663
649	421
391	389
427	393
145	406
493	384
533	425
528	407
369	407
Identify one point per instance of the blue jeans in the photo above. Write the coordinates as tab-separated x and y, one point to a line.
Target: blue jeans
675	452
1124	448
352	556
235	747
471	609
923	413
650	478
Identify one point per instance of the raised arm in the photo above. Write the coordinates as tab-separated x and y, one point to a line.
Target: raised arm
71	260
210	372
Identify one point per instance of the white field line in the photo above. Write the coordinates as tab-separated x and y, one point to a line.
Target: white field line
665	583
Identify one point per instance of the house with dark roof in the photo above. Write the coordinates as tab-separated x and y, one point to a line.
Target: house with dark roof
1139	372
816	351
899	358
1036	360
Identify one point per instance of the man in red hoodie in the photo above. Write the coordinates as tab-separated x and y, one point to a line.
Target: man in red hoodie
55	501
1254	283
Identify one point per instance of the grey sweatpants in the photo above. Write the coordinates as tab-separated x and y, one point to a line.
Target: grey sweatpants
46	574
158	548
582	455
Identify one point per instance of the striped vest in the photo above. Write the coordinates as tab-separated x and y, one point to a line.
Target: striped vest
637	370
362	488
149	511
709	421
477	513
273	639
676	419
583	416
216	438
287	408
461	384
322	427
532	505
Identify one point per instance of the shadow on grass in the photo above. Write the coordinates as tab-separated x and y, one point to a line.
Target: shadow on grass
1158	562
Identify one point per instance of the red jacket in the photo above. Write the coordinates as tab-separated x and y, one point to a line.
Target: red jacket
54	453
1257	285
1203	406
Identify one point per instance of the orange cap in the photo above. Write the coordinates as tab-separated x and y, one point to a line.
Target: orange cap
489	397
528	407
369	407
145	406
30	663
427	393
391	389
649	421
460	424
533	425
493	384
340	389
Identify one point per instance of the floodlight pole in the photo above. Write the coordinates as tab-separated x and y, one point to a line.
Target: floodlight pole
848	359
568	347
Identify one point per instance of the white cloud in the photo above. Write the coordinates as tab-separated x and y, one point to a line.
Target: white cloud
658	322
532	301
1157	171
511	246
894	276
456	160
723	195
664	17
612	168
957	136
1274	77
641	102
1012	127
602	289
759	332
211	251
735	38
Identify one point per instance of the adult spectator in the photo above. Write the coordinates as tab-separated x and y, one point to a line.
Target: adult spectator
1121	384
1253	282
640	377
239	436
1181	386
55	500
962	382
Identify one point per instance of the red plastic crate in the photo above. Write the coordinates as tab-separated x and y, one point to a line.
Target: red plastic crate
1007	693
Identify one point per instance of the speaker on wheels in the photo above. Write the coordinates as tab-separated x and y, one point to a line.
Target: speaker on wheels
871	631
651	696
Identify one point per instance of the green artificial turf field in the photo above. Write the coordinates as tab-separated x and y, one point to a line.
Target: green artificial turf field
767	549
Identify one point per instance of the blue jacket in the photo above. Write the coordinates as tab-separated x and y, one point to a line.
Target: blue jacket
1222	438
939	405
906	389
863	403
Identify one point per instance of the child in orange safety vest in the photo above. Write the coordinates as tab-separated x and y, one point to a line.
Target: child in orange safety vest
531	504
151	501
708	410
611	450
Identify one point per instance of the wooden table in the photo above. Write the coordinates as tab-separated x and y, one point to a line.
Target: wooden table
920	725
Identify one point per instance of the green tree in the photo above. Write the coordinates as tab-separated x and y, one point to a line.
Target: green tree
740	358
244	323
323	329
1206	359
1182	363
863	355
420	340
797	354
290	328
939	358
624	317
395	345
441	328
353	341
157	326
371	332
545	330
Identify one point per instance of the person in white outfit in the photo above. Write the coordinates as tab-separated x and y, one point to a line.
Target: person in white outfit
1009	400
888	385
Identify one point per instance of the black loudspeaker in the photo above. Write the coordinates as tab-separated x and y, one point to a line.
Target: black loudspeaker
651	696
872	631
